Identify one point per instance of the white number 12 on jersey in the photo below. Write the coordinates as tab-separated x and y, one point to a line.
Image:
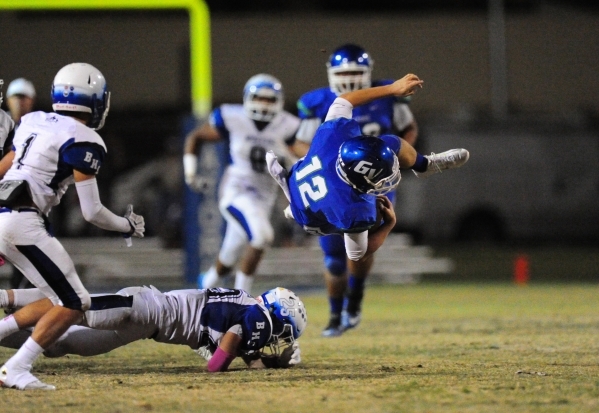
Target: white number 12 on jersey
318	182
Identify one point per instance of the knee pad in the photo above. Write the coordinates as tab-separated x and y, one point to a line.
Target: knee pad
335	265
262	238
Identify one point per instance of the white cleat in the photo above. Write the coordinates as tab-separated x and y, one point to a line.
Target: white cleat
437	162
22	380
349	321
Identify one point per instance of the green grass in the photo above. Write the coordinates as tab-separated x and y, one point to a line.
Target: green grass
422	348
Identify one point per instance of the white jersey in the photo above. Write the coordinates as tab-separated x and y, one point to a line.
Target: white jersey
47	148
248	145
199	318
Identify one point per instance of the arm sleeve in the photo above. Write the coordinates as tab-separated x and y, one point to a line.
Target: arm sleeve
190	166
220	361
356	245
340	108
307	129
93	210
402	116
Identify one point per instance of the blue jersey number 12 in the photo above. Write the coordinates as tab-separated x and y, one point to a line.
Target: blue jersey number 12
318	189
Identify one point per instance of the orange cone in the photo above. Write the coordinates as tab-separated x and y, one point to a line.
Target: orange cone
521	269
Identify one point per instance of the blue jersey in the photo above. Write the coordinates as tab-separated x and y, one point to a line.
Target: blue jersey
320	201
375	118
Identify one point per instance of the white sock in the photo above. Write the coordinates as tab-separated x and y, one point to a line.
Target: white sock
8	325
210	278
25	296
27	354
4	299
244	281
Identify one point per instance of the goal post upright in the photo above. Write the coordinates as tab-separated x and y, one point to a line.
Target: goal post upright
200	73
199	34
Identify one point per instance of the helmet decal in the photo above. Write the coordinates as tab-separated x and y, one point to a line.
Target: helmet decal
368	165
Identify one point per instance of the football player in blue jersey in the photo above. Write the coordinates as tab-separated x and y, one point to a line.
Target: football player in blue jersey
51	151
350	68
339	188
218	324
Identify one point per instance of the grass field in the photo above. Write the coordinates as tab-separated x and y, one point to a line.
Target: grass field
422	348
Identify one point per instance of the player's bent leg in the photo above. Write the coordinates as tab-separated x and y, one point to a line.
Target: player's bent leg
438	162
335	262
352	312
108	312
233	245
86	342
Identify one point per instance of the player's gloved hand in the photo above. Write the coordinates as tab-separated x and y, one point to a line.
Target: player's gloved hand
197	183
204	352
137	223
291	356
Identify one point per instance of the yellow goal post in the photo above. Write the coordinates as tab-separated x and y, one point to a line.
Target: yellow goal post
199	34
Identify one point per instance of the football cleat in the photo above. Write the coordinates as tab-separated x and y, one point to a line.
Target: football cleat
349	320
23	381
334	328
437	162
210	279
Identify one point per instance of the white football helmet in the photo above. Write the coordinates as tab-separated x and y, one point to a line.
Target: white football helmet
263	97
80	87
288	314
349	68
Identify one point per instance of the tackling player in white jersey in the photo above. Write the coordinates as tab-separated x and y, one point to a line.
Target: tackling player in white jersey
247	193
219	324
50	152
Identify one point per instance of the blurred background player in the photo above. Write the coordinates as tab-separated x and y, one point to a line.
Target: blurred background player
218	324
52	151
247	192
20	100
332	189
7	131
349	68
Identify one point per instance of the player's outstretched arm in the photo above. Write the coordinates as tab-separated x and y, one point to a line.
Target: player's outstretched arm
95	213
406	86
377	237
192	148
225	353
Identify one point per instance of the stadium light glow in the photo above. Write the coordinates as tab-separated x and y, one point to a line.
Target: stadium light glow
199	34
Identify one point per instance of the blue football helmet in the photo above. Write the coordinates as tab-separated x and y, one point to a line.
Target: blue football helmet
368	165
288	315
349	69
263	97
80	87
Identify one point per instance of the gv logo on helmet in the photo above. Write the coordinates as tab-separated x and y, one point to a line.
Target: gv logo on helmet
363	167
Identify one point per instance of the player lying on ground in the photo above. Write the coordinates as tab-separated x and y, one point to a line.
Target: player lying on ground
219	324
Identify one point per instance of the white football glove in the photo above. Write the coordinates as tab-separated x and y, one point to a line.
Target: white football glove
197	183
137	223
290	356
204	352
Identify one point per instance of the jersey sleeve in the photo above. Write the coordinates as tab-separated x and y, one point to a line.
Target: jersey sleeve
256	329
402	116
217	121
86	157
340	108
